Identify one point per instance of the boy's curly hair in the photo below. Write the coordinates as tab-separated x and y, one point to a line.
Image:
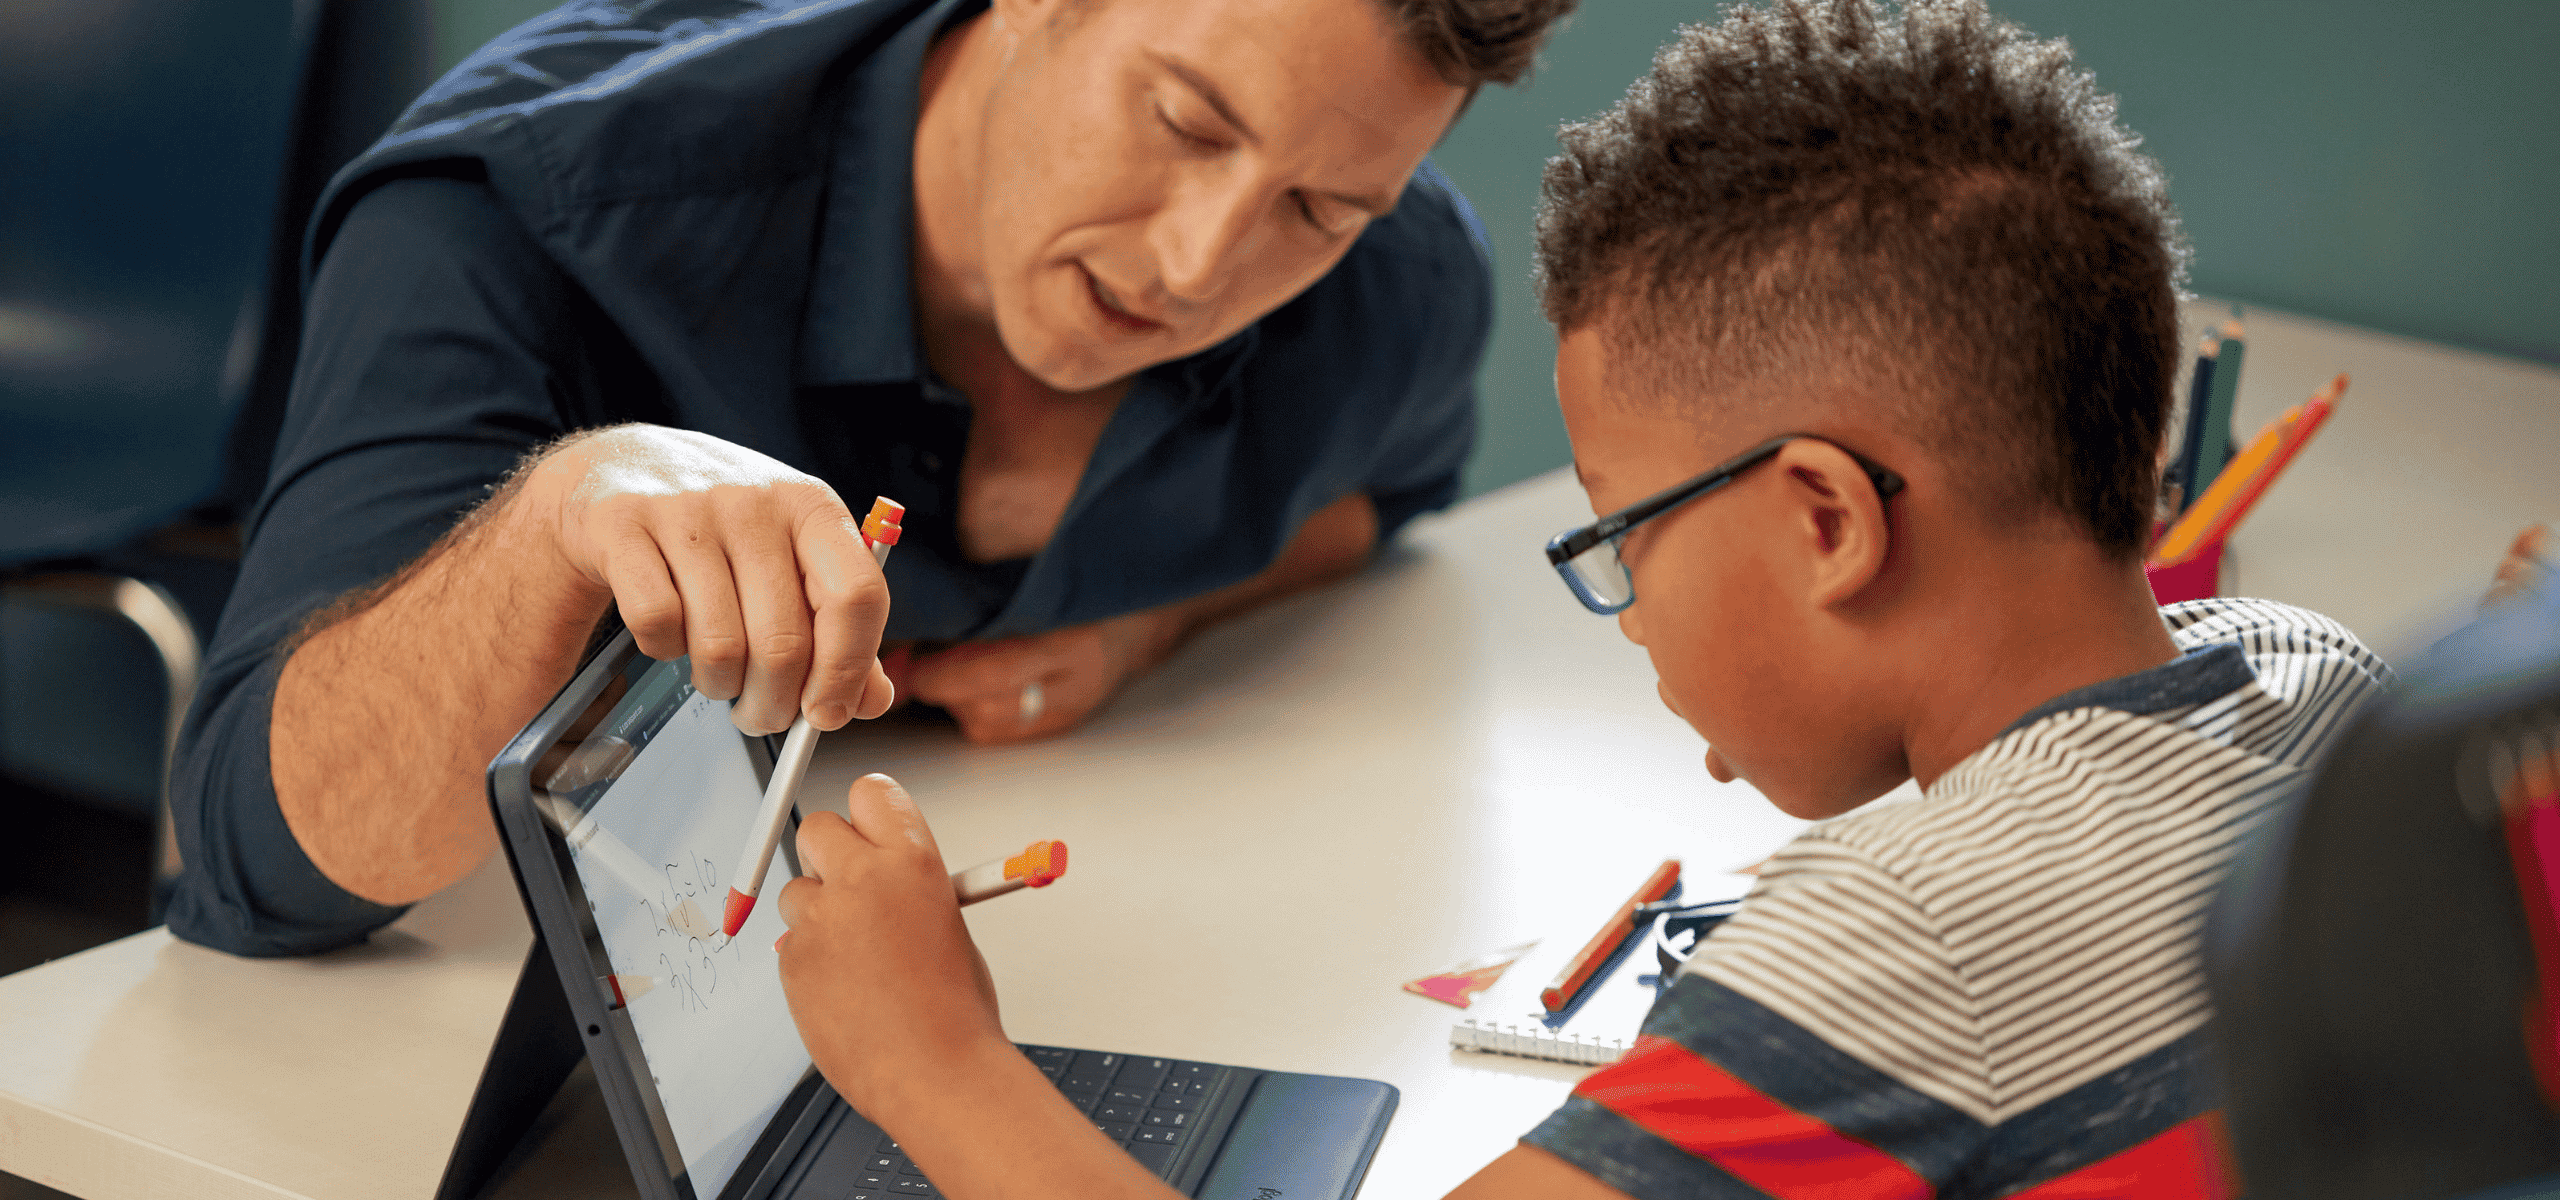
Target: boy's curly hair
1932	203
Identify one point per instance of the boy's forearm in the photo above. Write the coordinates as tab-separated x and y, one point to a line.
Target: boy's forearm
385	718
996	1129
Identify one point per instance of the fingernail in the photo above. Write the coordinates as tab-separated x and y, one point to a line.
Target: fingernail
829	715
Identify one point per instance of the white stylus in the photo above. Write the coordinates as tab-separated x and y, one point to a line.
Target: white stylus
880	531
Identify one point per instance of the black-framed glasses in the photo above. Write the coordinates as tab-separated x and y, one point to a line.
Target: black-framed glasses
1588	557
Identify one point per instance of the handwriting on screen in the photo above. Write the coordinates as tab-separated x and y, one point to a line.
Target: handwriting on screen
691	953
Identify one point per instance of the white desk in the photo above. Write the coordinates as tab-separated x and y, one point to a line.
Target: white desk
1301	811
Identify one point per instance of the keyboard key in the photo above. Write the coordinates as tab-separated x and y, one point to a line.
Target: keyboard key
1053	1071
1142	1074
1049	1054
1162	1137
1098	1064
1174	1101
1155	1157
1198	1087
1120	1094
882	1162
913	1187
1121	1112
1168	1120
888	1145
1117	1131
874	1180
1174	1086
908	1168
859	1194
1089	1085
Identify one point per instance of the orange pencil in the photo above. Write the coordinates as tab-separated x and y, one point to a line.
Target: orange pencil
2219	511
1569	981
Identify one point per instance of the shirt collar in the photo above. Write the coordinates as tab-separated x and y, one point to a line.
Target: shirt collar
860	323
2199	675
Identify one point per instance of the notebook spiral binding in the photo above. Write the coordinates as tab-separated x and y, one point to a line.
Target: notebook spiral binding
1535	1043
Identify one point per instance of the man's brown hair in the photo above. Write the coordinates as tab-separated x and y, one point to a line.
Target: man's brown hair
1935	206
1475	42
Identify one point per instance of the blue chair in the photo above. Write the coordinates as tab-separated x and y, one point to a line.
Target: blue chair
160	157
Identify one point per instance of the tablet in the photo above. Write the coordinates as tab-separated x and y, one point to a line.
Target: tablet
622	805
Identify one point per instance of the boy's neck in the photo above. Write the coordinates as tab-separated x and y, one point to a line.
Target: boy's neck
2017	637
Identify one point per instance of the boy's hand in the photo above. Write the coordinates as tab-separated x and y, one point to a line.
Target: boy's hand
1020	689
884	983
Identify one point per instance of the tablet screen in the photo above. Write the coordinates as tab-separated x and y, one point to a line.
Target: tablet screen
655	805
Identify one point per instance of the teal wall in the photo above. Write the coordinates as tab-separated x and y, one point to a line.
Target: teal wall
2394	165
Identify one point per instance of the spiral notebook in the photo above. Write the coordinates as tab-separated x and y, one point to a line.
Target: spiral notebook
1595	1030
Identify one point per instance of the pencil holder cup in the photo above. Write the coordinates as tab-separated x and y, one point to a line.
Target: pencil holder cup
2195	577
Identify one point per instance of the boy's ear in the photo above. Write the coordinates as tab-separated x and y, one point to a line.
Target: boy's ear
1833	507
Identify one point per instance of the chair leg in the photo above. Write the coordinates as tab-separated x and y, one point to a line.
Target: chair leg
151	609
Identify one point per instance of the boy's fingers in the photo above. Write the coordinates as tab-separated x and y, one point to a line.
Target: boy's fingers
885	816
823	844
793	901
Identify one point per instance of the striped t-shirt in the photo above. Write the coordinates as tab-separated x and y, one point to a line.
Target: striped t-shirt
1992	990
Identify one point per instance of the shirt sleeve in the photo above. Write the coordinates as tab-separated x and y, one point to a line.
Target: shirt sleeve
432	361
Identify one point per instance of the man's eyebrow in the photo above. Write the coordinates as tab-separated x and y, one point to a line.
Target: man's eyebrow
1209	92
1374	204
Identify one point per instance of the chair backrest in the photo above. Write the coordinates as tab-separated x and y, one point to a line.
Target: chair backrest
2386	971
144	147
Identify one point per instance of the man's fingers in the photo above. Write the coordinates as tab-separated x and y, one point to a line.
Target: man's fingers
645	593
715	632
981	669
849	602
766	574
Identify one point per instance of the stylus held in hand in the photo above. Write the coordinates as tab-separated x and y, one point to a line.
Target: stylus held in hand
880	531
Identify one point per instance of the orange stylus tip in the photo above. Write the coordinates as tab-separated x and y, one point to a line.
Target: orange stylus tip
733	917
1039	865
881	524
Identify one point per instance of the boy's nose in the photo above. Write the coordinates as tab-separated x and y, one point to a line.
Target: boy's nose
1629	626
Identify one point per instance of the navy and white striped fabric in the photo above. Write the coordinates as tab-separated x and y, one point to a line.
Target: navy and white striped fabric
1992	989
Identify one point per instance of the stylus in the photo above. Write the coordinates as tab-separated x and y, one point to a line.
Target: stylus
880	531
1039	865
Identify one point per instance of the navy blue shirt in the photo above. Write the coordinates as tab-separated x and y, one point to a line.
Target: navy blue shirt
702	220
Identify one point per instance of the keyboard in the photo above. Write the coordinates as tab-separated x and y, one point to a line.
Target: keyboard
1150	1106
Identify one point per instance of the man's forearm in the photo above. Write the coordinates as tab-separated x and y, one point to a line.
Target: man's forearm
386	717
1334	542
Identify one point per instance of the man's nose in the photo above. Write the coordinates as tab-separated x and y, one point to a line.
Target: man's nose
1204	236
1629	626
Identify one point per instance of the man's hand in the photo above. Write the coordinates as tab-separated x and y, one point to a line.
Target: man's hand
1018	689
883	980
710	549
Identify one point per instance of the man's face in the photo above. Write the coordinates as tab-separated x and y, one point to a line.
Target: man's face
1157	174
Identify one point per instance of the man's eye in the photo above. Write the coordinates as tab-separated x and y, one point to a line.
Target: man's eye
1308	211
1188	138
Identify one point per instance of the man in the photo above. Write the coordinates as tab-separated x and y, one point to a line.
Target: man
1148	310
1868	329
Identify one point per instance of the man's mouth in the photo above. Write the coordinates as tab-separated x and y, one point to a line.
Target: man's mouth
1113	312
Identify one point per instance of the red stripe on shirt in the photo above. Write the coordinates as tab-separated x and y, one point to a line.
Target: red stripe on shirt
1673	1094
2184	1163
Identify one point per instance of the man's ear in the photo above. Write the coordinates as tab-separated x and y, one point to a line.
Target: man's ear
1833	509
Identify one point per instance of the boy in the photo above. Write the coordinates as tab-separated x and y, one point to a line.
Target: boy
1880	314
